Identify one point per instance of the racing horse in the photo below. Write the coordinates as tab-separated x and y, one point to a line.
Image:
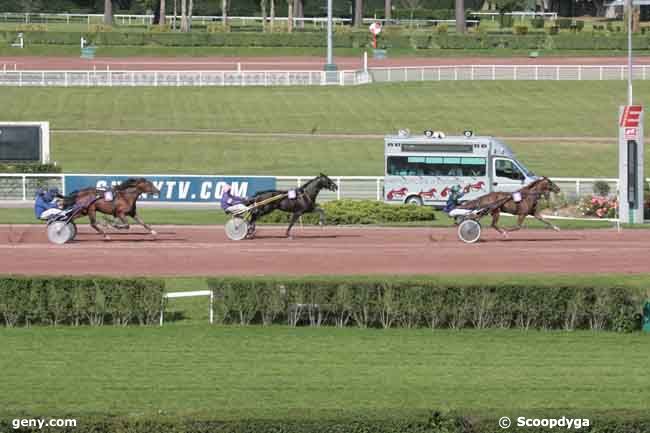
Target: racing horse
122	205
303	202
505	202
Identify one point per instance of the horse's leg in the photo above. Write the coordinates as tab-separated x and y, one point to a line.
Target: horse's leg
321	217
294	218
92	216
520	222
250	234
495	219
143	224
125	223
548	224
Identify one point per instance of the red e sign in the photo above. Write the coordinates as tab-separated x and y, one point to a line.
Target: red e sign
631	116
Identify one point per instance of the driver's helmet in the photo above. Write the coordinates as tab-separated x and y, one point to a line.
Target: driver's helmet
455	189
40	192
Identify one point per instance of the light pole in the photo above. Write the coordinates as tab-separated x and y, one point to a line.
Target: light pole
629	52
329	66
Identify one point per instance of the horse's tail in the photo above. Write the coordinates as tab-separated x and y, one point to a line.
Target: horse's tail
72	198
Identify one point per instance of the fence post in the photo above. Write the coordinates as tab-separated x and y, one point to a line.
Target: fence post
406	74
600	72
622	73
472	76
378	190
455	73
438	73
515	73
388	75
578	188
557	73
24	188
536	72
65	79
20	79
211	307
580	73
338	189
494	72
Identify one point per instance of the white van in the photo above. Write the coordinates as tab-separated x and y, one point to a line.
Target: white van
422	169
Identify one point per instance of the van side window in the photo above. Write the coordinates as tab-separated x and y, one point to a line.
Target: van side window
508	169
454	166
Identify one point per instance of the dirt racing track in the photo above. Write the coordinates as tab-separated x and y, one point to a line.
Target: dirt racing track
184	251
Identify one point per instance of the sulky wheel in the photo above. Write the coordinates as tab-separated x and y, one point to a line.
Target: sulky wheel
73	230
469	231
236	229
60	232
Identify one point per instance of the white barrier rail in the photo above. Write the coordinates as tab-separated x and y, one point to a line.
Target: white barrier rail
175	295
110	78
508	72
133	19
22	187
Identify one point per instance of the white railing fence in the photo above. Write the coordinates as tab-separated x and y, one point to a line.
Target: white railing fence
508	72
22	187
146	20
112	78
109	78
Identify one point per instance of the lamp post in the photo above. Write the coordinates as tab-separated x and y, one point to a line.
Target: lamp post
629	52
329	66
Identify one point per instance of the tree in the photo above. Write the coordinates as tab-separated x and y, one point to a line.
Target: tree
263	7
189	18
272	13
299	12
388	9
411	5
108	12
358	13
224	12
162	17
289	16
184	26
460	16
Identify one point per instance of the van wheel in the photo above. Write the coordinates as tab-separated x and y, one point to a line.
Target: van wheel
414	199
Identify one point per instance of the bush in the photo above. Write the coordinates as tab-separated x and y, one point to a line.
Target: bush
521	30
537	23
553	30
425	302
506	21
342	212
75	301
564	23
600	207
601	188
29	167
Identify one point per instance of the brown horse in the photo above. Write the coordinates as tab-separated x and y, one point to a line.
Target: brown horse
122	205
505	202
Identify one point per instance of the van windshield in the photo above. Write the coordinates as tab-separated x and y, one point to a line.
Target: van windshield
525	169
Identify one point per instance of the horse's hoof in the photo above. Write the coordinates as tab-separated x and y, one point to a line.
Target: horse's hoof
107	238
505	235
154	233
557	229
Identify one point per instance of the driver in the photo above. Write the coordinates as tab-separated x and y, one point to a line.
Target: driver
454	196
46	205
231	203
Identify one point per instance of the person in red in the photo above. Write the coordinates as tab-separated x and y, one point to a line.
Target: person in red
232	203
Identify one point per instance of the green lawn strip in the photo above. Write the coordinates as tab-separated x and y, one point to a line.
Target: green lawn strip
507	108
297	156
164	216
233	373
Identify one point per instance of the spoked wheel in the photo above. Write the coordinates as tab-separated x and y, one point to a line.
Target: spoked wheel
60	232
236	228
73	230
469	231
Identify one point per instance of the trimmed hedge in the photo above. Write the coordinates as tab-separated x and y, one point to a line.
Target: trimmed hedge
436	422
35	167
342	212
424	302
77	301
421	39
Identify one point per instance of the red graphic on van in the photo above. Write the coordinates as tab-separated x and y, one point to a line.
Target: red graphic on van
397	193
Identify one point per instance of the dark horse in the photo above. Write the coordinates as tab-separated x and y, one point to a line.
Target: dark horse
304	201
504	202
125	195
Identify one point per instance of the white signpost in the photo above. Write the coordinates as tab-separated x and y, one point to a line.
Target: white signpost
174	295
630	164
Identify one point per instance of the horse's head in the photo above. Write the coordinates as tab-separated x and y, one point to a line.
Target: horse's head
141	185
147	187
544	186
326	182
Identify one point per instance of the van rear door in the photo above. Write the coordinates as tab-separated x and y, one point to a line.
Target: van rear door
507	175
